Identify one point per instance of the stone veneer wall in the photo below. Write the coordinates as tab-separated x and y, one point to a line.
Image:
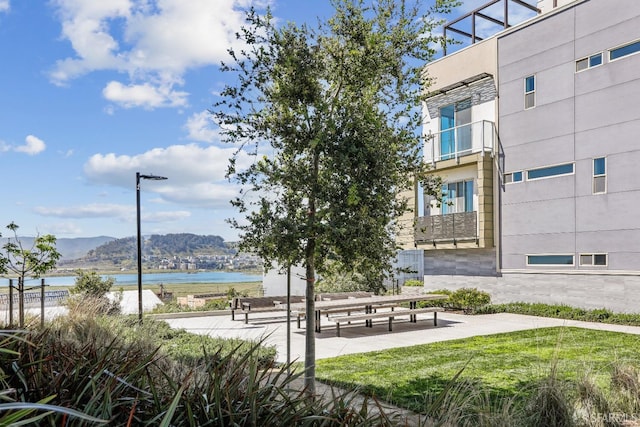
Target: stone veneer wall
619	293
461	262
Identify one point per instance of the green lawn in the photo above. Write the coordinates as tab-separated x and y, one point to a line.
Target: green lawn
504	363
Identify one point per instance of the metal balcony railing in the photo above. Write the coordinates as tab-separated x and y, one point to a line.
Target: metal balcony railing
476	137
447	228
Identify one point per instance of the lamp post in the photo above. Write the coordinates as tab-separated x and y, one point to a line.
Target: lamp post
138	178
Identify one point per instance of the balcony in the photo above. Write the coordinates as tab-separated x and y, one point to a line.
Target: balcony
447	228
472	138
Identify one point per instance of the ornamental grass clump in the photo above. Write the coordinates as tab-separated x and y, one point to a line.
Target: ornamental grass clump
113	370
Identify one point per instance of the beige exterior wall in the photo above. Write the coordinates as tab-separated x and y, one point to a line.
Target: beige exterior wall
405	237
468	62
484	169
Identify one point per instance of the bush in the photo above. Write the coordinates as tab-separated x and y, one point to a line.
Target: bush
413	282
113	369
562	311
469	299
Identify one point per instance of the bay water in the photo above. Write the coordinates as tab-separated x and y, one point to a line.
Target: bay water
151	279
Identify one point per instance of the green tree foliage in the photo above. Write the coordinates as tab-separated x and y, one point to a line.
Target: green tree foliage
90	290
91	283
24	262
331	117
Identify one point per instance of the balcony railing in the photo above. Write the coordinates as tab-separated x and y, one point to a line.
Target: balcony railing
477	137
447	228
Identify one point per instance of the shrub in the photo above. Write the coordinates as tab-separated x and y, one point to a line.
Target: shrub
413	282
469	299
562	312
110	369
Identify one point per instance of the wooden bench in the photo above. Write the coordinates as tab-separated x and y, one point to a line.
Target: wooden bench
329	311
247	305
331	296
368	317
334	296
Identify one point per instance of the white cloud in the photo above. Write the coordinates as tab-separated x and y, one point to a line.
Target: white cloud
4	6
201	127
144	95
63	228
32	146
196	175
95	210
125	213
153	41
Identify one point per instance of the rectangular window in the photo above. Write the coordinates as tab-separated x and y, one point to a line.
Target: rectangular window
598	260
513	177
625	50
529	92
589	62
599	175
549	259
565	169
457	197
455	127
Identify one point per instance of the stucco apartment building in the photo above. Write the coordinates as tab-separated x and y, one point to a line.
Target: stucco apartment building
535	131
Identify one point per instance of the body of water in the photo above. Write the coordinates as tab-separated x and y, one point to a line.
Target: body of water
152	279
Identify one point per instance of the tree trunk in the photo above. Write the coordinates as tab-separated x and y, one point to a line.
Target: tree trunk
310	337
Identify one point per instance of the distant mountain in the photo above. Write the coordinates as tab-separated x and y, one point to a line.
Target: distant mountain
69	248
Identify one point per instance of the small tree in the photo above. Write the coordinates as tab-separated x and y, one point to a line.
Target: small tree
90	288
32	262
340	110
90	283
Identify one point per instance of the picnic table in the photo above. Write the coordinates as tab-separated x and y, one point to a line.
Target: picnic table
368	306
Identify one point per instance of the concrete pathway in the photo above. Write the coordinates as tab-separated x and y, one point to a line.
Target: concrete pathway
358	339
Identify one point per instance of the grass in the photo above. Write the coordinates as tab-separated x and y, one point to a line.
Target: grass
183	289
505	364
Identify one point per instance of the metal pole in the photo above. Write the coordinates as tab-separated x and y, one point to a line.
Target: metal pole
139	248
10	302
21	301
289	319
42	303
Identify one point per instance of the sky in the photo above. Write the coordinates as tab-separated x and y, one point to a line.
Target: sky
92	92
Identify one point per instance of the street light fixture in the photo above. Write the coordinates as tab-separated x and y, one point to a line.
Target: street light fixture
140	176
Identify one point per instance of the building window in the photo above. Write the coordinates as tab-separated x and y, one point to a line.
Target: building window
599	175
565	169
593	259
457	197
529	92
512	177
625	50
455	129
589	62
549	259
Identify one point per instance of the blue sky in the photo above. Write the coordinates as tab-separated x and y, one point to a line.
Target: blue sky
93	91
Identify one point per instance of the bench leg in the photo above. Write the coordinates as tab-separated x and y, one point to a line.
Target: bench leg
298	321
337	329
435	318
233	315
390	322
246	318
318	319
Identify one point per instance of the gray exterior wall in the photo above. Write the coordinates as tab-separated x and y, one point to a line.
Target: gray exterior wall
618	293
578	116
460	262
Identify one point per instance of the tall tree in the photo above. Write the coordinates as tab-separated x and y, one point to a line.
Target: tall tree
33	261
331	117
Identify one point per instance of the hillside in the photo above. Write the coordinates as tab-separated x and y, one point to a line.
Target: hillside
161	246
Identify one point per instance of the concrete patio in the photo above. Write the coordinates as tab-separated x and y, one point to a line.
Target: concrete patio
358	339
